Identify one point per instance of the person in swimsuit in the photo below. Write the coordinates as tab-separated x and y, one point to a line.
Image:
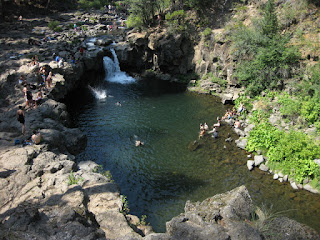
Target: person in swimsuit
20	118
39	99
49	80
36	137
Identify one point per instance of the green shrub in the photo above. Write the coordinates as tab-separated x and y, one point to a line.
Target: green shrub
263	137
310	109
96	4
265	56
292	11
207	32
134	21
176	21
58	29
211	77
52	25
290	107
295	153
292	152
99	169
125	205
73	179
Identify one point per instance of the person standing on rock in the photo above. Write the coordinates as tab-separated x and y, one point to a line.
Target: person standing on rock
21	119
49	80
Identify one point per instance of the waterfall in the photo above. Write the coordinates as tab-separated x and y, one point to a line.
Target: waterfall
98	93
113	72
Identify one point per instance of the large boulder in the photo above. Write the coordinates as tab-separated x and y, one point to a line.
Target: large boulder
218	217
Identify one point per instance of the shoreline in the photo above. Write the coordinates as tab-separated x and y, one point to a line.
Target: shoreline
258	160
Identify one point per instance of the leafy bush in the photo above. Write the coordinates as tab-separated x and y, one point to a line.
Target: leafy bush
292	152
290	107
310	109
52	25
96	4
295	153
211	77
176	21
73	179
292	11
207	32
263	137
134	21
265	56
125	205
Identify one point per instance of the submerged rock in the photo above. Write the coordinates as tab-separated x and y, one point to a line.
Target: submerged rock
193	145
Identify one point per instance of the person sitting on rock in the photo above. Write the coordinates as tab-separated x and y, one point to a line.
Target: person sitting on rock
240	108
237	124
60	63
22	81
205	126
36	137
39	99
218	124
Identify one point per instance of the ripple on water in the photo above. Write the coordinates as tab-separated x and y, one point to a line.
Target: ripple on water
160	176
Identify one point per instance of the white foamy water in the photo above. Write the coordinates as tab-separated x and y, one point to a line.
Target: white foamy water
98	93
113	72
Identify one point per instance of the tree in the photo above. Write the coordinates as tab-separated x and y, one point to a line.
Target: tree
270	22
145	10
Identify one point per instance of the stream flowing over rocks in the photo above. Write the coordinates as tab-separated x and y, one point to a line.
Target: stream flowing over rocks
46	194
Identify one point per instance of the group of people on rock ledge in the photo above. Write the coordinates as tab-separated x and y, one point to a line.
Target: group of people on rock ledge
230	114
41	84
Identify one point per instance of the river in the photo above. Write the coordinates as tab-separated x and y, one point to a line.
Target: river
160	176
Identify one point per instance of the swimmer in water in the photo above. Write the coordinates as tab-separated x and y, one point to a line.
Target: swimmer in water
139	143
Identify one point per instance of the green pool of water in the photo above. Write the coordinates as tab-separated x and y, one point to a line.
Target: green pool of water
159	177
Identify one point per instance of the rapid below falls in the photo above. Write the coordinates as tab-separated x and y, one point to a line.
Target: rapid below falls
160	176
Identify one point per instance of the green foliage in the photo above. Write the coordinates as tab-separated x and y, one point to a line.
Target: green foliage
143	220
84	27
199	5
263	137
292	152
99	169
310	109
247	102
211	77
315	183
207	32
142	11
52	25
73	179
295	153
176	21
292	11
96	4
290	107
265	56
134	21
125	205
270	21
